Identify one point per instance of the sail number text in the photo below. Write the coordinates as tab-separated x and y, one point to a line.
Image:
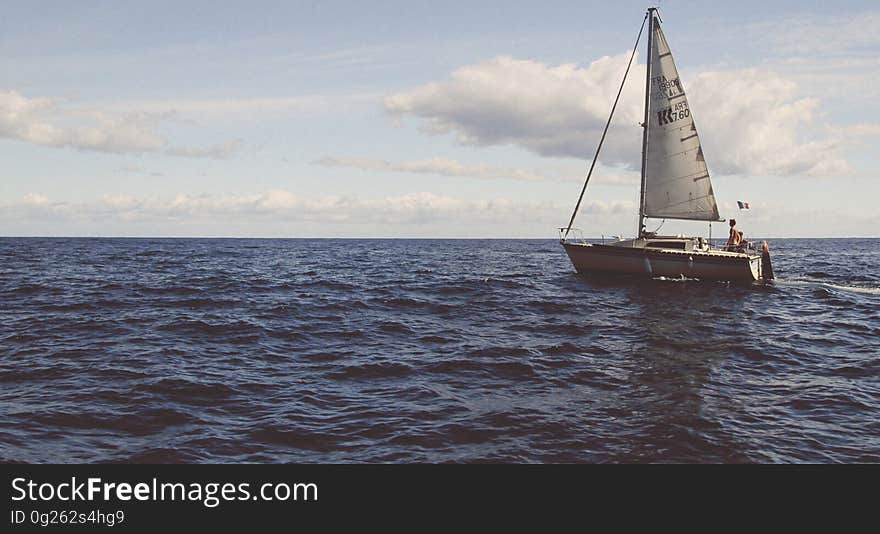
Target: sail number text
666	88
671	114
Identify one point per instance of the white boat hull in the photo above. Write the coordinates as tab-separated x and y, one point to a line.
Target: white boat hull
640	261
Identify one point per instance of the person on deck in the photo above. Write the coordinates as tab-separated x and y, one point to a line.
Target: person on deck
735	238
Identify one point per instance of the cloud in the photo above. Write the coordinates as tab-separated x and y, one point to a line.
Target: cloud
751	121
857	132
46	122
120	202
283	213
400	211
483	171
35	199
825	35
552	111
441	166
237	107
41	121
218	151
830	54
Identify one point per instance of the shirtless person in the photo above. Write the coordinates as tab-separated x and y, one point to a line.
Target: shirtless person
733	242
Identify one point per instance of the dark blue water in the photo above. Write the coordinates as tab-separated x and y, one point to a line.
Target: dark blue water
202	350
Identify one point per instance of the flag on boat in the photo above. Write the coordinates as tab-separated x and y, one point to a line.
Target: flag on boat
743	205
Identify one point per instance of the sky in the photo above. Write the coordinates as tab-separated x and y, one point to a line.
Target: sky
424	119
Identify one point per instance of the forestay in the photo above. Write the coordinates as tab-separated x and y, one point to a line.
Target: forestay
677	184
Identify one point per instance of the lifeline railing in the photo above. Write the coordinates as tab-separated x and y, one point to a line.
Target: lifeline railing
571	234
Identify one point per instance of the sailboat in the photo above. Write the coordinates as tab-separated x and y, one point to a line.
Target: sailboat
675	184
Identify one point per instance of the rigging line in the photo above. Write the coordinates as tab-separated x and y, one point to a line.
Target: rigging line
605	131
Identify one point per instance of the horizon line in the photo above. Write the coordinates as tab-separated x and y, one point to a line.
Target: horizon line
376	237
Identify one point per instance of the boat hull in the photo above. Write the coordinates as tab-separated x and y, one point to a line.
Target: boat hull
646	262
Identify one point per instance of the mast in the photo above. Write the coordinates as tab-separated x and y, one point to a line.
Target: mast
650	15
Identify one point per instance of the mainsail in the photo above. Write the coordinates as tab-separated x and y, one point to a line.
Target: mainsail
676	181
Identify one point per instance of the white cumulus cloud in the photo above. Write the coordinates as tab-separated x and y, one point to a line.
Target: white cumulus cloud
553	111
42	121
752	122
48	122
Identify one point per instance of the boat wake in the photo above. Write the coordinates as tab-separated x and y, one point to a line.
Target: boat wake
852	289
675	279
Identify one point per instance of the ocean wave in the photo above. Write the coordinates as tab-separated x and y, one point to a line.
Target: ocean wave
186	391
367	351
371	370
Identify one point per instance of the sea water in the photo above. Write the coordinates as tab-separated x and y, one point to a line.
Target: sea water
299	350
